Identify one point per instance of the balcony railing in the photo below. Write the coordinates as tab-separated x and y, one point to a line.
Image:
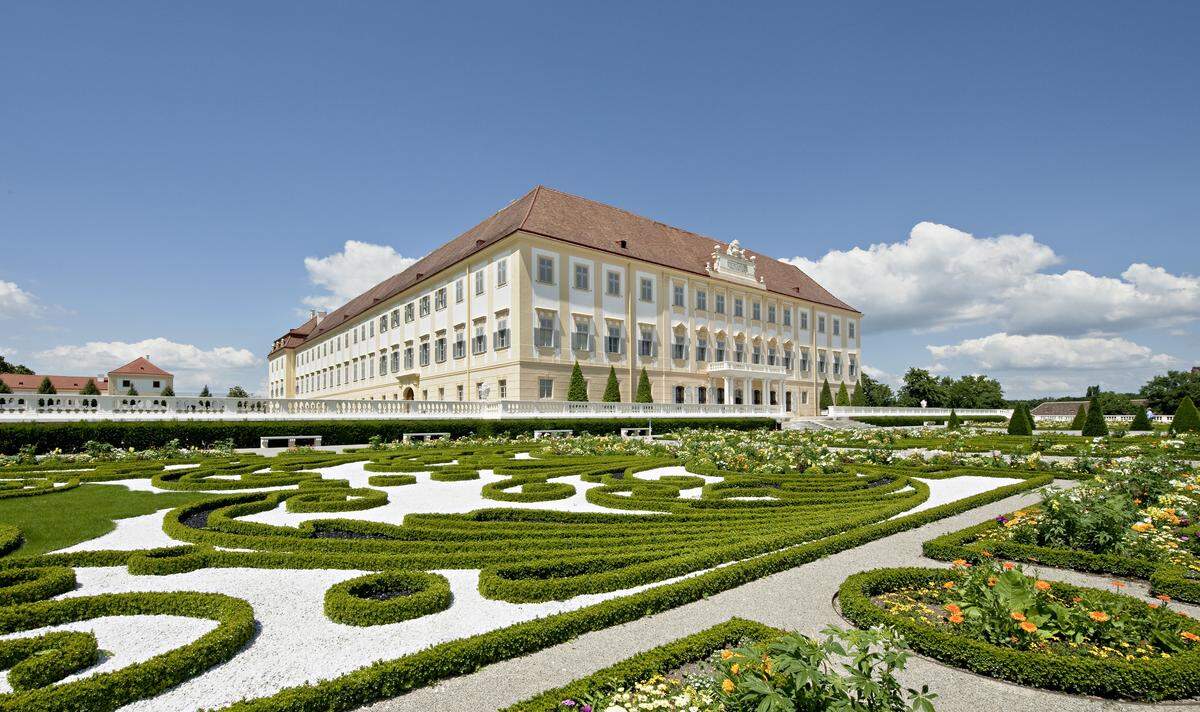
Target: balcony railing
746	368
35	407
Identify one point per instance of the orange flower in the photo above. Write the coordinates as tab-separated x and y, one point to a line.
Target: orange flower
1163	597
953	608
1189	635
726	654
1098	616
960	562
727	686
1119	584
1017	616
991	580
986	554
1028	627
1076	599
735	668
956	618
1008	565
948	585
1042	585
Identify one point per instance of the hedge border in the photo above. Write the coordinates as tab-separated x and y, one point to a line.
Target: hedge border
660	660
1177	677
44	660
428	593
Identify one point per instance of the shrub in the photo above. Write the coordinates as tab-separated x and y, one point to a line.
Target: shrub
46	387
644	394
236	392
131	392
843	396
1094	426
1080	418
577	391
387	597
89	388
826	396
953	422
4	388
1020	423
168	392
1186	420
205	393
1141	421
612	389
859	397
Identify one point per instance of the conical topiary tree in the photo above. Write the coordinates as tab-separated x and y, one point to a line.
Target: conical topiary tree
46	387
612	389
1080	418
843	396
168	391
131	392
577	391
826	396
1094	426
644	394
953	422
89	388
4	387
205	393
1186	420
859	396
1141	421
1020	423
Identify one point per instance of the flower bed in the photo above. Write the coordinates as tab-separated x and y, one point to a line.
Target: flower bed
996	621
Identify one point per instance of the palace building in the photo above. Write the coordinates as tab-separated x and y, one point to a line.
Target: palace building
505	310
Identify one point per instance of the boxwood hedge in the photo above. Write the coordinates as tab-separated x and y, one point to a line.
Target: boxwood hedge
387	597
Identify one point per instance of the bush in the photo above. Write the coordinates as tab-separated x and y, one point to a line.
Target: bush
612	389
826	396
89	388
1080	418
859	397
1186	420
953	422
843	396
387	597
235	392
131	392
205	393
1020	423
644	394
4	388
1095	426
1141	421
577	391
168	392
46	387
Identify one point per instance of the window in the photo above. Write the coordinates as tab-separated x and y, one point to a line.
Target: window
395	318
756	354
647	290
612	342
821	324
383	323
458	390
772	355
408	357
852	366
646	341
720	305
837	365
850	329
739	310
543	333
787	360
545	270
500	339
383	365
442	394
479	343
581	338
770	313
460	343
501	272
612	283
124	384
583	278
701	301
396	360
702	349
425	305
480	393
739	351
677	295
720	350
679	394
787	316
545	388
408	313
679	347
424	351
458	291
439	299
820	362
756	311
439	349
479	282
837	326
371	329
804	320
502	387
157	384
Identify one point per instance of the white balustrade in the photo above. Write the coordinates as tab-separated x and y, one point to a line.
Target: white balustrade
746	367
851	411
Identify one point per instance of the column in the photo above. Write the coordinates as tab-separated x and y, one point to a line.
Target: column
728	391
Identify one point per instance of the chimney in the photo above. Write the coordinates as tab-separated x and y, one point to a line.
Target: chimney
318	314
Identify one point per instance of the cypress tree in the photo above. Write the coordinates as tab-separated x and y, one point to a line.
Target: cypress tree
612	389
131	392
826	396
1186	420
1141	421
1094	426
1080	418
89	389
168	391
953	423
1020	423
843	396
4	387
46	387
859	397
577	391
204	392
644	394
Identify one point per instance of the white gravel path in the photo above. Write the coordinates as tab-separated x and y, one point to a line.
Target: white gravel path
141	532
951	489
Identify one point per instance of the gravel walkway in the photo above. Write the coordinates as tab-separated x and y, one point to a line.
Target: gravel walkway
799	599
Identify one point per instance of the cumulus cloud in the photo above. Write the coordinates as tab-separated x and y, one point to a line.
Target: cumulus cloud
1049	351
15	302
346	274
941	277
193	366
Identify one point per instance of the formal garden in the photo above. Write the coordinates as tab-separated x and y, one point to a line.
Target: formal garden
200	576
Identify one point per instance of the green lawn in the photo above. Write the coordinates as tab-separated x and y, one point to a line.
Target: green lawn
54	521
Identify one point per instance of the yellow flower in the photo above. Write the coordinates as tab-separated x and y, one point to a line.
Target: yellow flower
948	584
1189	635
727	686
726	654
1017	616
735	668
1028	627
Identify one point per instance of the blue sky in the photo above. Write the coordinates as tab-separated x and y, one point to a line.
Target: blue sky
165	169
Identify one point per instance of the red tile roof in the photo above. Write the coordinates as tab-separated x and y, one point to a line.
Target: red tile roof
61	384
587	223
140	366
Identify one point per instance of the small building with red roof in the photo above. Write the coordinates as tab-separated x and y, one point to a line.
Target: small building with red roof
139	374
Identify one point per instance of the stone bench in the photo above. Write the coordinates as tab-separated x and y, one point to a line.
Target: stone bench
636	433
291	440
422	437
539	434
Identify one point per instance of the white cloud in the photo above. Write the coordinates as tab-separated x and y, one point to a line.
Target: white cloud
346	274
15	301
194	367
941	277
1048	351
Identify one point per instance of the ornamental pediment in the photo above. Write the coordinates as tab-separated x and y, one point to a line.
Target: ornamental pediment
733	263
